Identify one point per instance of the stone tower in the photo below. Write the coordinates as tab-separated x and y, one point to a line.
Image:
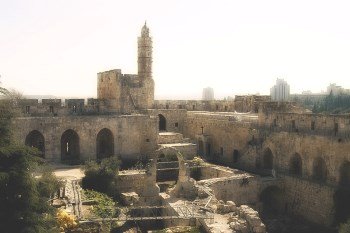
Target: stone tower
144	60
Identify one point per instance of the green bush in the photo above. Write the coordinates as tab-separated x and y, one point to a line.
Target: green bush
345	227
102	176
105	207
48	184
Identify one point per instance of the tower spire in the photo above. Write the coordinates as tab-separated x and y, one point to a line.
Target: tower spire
145	30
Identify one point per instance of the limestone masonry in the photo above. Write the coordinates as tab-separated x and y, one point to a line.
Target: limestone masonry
305	156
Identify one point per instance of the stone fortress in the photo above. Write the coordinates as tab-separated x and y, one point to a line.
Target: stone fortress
297	162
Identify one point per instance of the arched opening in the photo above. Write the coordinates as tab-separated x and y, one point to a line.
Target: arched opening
295	165
104	144
319	172
273	200
162	122
167	168
208	154
36	139
268	159
235	156
70	150
342	195
200	147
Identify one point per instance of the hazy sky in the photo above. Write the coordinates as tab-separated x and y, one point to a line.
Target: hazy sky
236	47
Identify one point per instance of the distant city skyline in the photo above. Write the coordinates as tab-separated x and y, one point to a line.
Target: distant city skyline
58	47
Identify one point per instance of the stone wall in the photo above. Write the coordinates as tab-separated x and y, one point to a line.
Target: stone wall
306	194
175	118
242	189
209	172
312	200
196	105
225	132
133	135
131	181
316	124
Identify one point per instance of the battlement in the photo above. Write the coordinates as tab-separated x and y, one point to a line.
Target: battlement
59	107
308	123
196	105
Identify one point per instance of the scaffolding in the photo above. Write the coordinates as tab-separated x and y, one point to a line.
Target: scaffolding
145	213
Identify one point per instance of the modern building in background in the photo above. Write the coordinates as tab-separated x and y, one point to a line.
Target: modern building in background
280	91
208	93
337	90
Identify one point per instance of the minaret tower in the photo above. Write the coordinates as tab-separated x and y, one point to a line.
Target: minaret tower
144	60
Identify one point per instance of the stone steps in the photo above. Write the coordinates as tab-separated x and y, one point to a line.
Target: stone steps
177	141
188	150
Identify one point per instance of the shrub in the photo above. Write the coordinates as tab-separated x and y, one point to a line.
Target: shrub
345	227
66	221
105	207
102	176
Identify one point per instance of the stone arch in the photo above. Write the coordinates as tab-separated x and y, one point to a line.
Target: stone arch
319	170
185	185
342	194
268	159
104	144
344	174
167	165
70	148
37	140
295	165
200	147
162	122
273	200
236	156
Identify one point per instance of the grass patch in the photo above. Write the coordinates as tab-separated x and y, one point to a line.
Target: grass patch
105	207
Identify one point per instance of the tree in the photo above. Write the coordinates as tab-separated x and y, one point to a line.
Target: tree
24	204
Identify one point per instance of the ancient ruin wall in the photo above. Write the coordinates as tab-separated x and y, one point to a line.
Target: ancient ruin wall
133	135
225	134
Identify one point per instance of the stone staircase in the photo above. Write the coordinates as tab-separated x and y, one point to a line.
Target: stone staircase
177	141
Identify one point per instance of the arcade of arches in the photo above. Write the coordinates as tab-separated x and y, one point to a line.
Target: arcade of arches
70	145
